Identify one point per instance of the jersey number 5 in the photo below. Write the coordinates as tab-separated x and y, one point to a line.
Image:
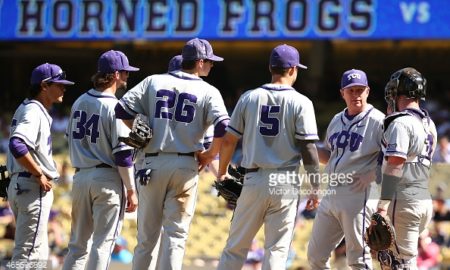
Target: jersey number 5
270	124
184	111
86	127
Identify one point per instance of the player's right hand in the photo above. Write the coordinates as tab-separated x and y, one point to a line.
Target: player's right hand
44	182
204	158
132	201
313	199
312	204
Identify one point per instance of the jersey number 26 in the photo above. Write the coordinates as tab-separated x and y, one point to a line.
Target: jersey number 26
184	110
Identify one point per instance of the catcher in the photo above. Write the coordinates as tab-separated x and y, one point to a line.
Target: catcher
409	136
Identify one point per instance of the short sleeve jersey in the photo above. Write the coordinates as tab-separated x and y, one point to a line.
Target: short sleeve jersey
270	119
411	135
93	130
31	123
354	141
179	106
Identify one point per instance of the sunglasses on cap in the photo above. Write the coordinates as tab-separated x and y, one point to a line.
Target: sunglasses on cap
59	76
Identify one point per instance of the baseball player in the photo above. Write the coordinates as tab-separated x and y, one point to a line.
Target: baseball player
410	140
103	166
141	171
352	147
180	106
277	125
175	64
31	166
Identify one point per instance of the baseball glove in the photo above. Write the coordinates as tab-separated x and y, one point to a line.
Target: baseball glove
230	189
237	172
4	182
380	235
139	136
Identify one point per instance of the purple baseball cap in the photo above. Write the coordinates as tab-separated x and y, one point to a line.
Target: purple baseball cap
354	77
49	73
112	61
285	56
175	63
196	49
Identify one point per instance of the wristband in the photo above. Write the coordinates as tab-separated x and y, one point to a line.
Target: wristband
389	186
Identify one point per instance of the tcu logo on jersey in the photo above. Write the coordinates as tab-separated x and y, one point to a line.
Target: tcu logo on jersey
343	138
353	76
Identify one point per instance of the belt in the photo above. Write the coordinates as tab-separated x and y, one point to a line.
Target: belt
25	174
251	170
289	168
190	154
101	165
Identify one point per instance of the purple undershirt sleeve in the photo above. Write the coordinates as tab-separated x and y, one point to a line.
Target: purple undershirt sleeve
121	113
124	158
17	147
219	128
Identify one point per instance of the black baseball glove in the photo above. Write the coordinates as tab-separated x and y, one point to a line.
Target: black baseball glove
4	182
230	189
237	172
380	235
139	136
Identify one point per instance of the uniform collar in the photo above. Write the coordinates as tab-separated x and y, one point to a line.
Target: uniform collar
419	112
99	94
277	87
39	104
184	75
346	119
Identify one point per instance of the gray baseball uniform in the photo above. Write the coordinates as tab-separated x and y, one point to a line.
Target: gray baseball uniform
180	107
31	166
140	171
31	123
98	194
410	135
355	144
270	120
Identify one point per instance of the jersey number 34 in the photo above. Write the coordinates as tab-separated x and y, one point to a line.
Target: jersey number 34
86	127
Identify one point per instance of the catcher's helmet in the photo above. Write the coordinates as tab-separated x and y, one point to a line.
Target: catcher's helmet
408	82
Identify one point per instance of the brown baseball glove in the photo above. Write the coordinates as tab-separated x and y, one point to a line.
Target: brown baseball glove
380	235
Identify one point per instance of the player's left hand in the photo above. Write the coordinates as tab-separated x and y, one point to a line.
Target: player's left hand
132	201
382	212
44	182
362	181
